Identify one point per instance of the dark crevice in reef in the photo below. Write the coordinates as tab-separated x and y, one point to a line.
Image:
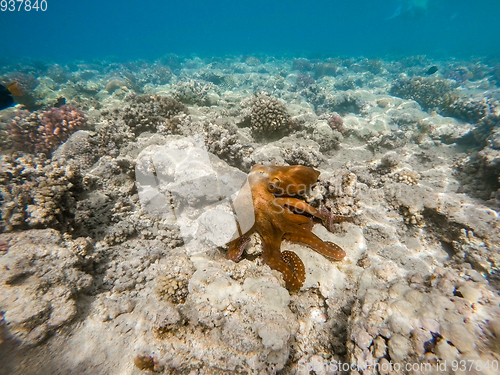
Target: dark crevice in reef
444	230
345	316
340	330
467	141
16	358
449	234
337	320
430	345
478	178
448	247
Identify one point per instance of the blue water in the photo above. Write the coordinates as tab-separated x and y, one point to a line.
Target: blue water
149	29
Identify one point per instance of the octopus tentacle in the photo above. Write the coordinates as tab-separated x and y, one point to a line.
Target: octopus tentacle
326	216
296	265
296	220
329	218
291	280
273	258
328	249
299	206
236	248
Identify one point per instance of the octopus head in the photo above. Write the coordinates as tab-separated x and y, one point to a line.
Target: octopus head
283	180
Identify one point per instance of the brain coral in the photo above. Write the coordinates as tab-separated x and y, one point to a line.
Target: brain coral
44	132
268	115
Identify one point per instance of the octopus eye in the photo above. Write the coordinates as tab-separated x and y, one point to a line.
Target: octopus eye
273	186
261	172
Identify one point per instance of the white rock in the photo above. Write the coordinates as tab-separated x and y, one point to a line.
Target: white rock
460	336
471	294
446	352
380	348
363	339
273	336
399	346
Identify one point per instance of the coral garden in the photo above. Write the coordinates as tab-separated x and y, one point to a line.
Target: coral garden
99	276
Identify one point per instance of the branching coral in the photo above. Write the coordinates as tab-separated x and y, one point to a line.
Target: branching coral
407	177
37	193
44	132
438	94
430	93
222	140
485	130
472	109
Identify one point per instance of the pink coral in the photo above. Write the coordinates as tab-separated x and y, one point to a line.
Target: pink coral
44	132
336	123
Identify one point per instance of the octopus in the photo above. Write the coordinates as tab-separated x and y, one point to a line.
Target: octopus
282	214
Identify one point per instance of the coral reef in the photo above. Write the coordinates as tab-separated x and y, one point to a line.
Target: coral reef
459	74
302	65
304	81
325	69
430	93
472	109
114	84
113	253
104	208
295	150
37	193
424	320
407	177
27	83
44	132
40	282
150	112
327	138
195	92
342	102
479	171
222	140
336	123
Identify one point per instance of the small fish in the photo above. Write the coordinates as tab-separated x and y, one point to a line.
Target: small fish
60	102
433	69
6	93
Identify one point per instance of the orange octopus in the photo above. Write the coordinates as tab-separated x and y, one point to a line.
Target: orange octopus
281	215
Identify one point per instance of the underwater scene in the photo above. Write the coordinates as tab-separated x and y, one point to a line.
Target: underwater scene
250	187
